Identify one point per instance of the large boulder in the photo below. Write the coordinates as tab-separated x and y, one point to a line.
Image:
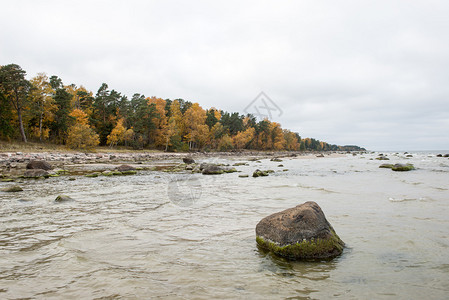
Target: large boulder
35	173
39	164
301	232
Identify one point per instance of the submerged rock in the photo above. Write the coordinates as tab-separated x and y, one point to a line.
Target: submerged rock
12	189
387	166
403	167
63	198
229	170
35	173
212	170
39	164
301	232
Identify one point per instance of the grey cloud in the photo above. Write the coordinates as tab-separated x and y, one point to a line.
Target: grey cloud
371	73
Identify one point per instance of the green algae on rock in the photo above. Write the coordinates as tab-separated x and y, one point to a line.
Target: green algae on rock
402	167
386	166
299	233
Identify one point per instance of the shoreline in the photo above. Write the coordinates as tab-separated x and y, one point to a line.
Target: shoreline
13	164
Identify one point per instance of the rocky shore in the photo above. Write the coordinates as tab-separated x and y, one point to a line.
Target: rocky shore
14	164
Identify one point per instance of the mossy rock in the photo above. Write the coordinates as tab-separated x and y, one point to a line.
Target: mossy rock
210	169
387	166
240	164
229	170
130	172
306	249
107	173
276	159
259	173
117	173
299	233
402	167
7	180
382	158
243	175
92	175
269	171
13	189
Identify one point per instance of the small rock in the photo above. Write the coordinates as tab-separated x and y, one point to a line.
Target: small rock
276	159
387	166
188	160
35	173
123	168
320	155
92	174
211	169
130	172
259	173
243	175
7	180
12	189
229	170
39	164
63	198
402	167
382	158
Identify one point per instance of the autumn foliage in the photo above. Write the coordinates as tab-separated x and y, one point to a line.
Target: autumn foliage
44	109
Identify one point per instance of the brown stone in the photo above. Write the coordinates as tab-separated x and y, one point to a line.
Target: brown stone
124	168
39	164
301	232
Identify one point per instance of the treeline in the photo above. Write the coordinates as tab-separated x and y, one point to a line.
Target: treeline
44	109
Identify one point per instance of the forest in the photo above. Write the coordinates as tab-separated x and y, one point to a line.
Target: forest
45	110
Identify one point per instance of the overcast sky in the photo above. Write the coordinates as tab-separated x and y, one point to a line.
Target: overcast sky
371	73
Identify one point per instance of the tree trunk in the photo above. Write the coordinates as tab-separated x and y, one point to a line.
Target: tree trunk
40	127
22	131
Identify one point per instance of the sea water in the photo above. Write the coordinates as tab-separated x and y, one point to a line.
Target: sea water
191	236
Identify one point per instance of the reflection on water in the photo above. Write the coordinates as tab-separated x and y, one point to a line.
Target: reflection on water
158	235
